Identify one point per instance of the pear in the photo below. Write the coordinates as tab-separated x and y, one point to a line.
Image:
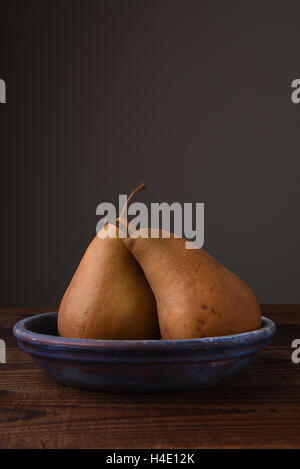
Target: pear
196	296
109	296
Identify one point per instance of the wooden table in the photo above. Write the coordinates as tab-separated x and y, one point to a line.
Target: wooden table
260	409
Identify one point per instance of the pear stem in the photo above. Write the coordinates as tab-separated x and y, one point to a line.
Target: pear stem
141	187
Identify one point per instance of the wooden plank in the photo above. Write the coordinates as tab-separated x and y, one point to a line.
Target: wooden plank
255	417
260	409
282	314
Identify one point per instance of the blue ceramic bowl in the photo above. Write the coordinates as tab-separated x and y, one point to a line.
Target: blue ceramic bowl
138	365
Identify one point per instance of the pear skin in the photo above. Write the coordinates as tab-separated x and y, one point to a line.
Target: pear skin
109	296
196	296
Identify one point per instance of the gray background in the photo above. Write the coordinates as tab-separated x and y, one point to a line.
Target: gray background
192	97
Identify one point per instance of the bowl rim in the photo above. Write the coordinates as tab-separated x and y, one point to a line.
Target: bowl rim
22	333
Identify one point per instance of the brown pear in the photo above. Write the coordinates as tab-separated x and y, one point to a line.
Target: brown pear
109	296
196	296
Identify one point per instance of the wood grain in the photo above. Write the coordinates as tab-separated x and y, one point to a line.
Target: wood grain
260	409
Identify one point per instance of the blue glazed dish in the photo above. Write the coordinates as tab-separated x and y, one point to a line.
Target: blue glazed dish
139	366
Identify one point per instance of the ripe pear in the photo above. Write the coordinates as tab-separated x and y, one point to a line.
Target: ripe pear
196	296
109	296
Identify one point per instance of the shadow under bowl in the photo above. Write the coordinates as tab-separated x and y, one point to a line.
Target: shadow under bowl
139	366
